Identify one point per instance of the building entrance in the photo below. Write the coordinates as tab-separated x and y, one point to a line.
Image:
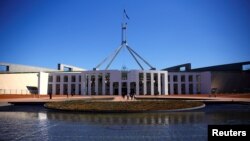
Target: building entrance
133	87
124	88
116	88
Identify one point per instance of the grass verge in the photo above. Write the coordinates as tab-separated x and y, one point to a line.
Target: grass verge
117	106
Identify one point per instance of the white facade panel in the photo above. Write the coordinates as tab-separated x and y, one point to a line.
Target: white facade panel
200	82
43	83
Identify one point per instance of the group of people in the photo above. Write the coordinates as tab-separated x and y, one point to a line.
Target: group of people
131	95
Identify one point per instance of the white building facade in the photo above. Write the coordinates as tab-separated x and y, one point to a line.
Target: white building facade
106	82
140	82
189	83
109	82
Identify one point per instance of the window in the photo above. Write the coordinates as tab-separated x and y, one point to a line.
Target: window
148	84
50	89
155	78
183	78
80	89
169	88
124	75
65	89
100	78
148	76
124	84
175	78
107	77
182	68
92	85
50	78
115	88
58	78
4	68
65	78
73	89
183	89
191	89
67	69
107	83
141	88
246	67
198	78
140	76
107	89
175	88
80	78
92	81
57	89
198	88
162	83
73	78
87	85
190	78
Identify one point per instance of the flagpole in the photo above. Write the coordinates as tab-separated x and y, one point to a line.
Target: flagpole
124	44
124	29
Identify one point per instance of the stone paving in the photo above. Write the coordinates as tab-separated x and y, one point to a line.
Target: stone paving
204	97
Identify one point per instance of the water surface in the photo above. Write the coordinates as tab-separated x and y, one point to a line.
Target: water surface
29	123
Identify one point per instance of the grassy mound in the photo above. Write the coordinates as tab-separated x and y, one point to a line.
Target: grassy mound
117	106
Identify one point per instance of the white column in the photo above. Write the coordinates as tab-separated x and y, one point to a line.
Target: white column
43	83
77	85
128	87
165	84
144	84
83	84
137	87
69	84
89	84
159	83
179	83
152	83
195	87
103	84
137	84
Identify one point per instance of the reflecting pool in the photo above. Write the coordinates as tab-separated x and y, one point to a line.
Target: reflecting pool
29	123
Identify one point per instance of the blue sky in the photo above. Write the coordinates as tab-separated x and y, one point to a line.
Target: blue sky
165	32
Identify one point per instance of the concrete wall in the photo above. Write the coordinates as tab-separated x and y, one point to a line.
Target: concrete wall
17	83
231	82
23	68
20	83
206	82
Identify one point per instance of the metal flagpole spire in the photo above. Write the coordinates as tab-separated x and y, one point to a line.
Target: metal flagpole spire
124	45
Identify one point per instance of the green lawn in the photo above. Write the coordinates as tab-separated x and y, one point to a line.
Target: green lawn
118	106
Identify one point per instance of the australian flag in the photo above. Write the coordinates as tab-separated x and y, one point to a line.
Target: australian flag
125	14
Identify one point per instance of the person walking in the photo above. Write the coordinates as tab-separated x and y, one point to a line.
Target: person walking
131	96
